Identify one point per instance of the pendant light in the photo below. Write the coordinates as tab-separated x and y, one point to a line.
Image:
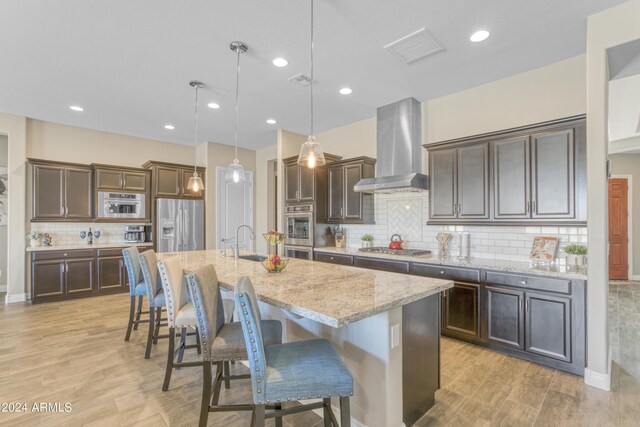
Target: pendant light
311	154
235	171
195	182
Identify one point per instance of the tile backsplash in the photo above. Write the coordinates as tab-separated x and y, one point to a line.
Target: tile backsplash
68	233
407	214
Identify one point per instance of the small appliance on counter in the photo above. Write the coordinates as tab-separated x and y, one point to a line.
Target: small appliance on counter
341	240
135	234
464	248
396	242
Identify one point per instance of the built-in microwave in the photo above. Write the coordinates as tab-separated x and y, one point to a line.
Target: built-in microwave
121	205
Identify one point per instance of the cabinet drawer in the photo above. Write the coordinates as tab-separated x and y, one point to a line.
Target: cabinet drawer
382	264
43	255
451	273
335	259
530	282
110	252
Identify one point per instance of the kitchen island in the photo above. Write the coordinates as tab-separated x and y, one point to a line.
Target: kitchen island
385	326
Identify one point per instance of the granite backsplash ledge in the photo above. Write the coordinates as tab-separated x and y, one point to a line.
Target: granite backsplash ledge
407	214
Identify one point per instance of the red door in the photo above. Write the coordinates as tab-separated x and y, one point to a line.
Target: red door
618	229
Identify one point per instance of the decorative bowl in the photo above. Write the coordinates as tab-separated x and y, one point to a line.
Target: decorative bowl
274	237
279	265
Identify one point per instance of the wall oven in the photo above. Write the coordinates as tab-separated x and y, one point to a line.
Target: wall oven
299	225
300	252
121	205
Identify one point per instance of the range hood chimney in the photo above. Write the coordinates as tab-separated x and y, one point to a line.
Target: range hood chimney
399	152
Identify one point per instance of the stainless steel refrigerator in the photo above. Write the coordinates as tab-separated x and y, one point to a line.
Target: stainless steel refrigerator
180	225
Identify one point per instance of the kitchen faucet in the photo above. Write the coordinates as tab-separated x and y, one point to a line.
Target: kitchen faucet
251	236
224	242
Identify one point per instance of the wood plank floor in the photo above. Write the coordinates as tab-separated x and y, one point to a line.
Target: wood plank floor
74	352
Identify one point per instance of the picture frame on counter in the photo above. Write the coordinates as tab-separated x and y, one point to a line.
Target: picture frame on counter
544	249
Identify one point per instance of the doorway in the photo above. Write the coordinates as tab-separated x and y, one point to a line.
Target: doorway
234	207
619	228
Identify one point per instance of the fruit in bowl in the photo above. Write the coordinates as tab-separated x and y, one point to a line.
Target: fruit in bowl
274	237
275	264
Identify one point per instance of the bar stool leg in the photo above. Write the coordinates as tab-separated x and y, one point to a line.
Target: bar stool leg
183	343
206	394
227	373
345	412
156	331
217	383
198	341
138	313
325	412
169	369
131	317
278	407
260	418
152	326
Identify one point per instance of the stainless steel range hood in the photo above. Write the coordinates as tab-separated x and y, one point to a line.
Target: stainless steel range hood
399	152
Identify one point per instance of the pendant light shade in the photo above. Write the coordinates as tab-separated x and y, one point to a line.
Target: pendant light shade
235	171
195	182
311	153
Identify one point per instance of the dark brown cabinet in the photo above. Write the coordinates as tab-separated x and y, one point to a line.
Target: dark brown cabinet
461	310
548	325
303	184
111	272
79	275
171	180
47	278
344	204
109	178
61	191
533	174
505	317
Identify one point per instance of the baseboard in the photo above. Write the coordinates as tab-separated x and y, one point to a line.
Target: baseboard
634	277
11	299
598	379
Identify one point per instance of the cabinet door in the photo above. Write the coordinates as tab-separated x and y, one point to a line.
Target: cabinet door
442	193
107	179
505	320
186	191
291	183
553	180
111	272
167	181
48	192
473	182
353	201
79	194
336	193
460	310
47	278
306	191
79	275
511	178
548	326
134	181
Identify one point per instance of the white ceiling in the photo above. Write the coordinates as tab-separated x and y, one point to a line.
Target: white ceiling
128	62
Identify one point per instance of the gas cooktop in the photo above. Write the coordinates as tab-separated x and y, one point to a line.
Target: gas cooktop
404	252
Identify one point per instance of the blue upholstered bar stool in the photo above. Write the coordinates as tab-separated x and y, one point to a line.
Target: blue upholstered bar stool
298	370
221	342
137	289
155	297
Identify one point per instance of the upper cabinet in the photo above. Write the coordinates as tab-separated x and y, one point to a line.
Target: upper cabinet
61	191
344	204
110	178
170	180
303	184
535	174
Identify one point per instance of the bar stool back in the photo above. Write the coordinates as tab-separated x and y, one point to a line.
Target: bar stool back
137	289
155	296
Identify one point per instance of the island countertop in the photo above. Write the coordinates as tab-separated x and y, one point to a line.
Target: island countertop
330	294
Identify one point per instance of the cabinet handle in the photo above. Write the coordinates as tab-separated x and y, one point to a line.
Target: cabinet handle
441	271
526	306
523	283
520	303
61	268
444	293
527	207
455	208
459	208
533	209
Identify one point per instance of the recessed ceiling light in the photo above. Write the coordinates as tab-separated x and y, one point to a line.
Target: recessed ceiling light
271	121
479	36
280	62
346	91
76	108
169	127
213	105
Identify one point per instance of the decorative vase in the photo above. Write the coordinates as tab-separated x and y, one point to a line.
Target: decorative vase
576	261
367	244
34	243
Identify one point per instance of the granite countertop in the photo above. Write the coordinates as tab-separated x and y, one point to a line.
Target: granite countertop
486	264
330	294
85	246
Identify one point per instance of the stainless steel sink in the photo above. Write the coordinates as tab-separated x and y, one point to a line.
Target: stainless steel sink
253	257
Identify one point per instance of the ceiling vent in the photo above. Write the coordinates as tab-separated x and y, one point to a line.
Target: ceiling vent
301	79
415	46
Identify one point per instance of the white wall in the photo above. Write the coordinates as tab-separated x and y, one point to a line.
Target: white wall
4	243
265	193
606	29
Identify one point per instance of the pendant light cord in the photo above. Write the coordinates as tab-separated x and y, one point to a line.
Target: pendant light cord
311	85
237	97
195	145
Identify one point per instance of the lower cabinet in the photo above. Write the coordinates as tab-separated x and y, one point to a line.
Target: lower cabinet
548	326
505	319
59	275
461	310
